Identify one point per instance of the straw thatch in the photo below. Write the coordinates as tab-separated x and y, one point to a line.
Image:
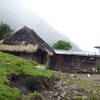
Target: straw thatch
25	40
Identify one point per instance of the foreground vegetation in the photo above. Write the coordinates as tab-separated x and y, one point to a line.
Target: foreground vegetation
10	64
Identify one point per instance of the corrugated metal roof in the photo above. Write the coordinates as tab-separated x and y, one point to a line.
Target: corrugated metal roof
98	47
81	53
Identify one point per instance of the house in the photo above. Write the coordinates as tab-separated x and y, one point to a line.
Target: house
74	61
27	44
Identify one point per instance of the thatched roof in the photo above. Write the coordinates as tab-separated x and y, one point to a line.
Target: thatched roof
25	40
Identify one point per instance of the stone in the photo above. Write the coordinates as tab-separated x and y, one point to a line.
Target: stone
88	75
40	67
73	75
56	94
63	94
59	98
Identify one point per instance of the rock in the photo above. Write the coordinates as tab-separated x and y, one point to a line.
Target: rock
63	94
88	75
73	75
50	92
40	67
45	91
59	98
64	83
56	94
92	92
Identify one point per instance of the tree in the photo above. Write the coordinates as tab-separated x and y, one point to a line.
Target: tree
62	45
5	31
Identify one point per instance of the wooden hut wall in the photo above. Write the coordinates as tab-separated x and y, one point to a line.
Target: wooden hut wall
98	61
40	58
64	62
87	62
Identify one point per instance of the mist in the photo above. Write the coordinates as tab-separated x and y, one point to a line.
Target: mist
17	14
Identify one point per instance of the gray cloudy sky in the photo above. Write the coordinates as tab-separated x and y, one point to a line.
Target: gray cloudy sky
77	19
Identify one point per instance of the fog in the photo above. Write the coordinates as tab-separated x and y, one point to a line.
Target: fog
17	14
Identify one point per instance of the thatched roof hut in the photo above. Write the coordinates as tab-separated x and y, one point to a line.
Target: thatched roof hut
25	41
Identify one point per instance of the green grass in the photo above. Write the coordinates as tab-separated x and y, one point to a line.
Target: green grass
7	93
33	96
10	64
37	95
94	97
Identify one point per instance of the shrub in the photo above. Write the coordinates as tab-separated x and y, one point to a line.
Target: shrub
62	45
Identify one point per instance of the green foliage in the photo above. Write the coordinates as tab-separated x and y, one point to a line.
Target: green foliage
10	64
91	97
62	45
37	95
78	98
5	31
98	69
34	63
32	96
94	97
7	93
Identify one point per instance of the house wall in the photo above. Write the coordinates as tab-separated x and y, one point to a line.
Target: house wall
73	63
62	62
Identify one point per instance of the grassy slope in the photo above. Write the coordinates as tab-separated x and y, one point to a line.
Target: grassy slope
86	84
10	64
